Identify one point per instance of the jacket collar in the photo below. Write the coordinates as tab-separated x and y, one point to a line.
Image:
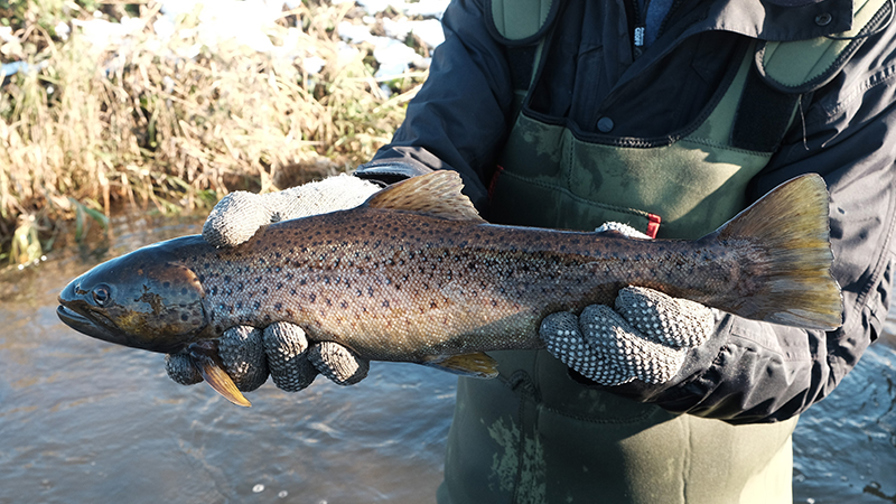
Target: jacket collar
781	20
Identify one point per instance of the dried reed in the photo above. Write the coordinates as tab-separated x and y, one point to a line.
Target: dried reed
174	125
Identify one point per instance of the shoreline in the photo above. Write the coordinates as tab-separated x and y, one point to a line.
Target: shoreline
167	117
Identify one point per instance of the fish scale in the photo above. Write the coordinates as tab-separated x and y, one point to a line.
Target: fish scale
415	275
386	292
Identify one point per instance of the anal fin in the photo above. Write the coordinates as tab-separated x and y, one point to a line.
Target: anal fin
477	365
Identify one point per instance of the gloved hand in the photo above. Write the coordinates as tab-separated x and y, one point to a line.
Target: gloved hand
239	214
281	349
646	337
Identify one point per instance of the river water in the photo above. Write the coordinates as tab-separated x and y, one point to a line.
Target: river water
86	421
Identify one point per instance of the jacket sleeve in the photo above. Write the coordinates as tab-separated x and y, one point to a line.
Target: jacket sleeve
461	111
760	372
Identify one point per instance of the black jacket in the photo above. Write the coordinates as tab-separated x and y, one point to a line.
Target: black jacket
846	131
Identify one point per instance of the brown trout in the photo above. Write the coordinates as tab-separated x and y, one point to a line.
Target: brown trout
414	274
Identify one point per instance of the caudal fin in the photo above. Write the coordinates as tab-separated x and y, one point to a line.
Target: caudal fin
790	258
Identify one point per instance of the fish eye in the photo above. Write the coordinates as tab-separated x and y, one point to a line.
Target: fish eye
101	294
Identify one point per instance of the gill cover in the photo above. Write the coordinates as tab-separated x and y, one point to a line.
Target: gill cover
145	299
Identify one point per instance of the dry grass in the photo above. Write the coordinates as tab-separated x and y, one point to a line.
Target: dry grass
175	127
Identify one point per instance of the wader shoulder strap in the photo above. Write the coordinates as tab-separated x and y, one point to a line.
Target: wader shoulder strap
784	70
787	70
520	25
521	22
801	66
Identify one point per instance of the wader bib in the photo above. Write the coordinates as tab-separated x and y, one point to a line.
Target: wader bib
534	435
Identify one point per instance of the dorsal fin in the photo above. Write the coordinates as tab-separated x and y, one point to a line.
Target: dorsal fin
437	194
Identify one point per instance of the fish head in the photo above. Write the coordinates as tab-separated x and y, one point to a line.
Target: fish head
145	299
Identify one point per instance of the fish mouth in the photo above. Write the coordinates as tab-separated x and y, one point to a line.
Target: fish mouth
97	325
87	324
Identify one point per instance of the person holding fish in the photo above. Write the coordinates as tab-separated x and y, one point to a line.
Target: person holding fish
669	118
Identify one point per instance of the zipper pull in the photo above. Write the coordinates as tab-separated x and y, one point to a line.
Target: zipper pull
639	36
639	42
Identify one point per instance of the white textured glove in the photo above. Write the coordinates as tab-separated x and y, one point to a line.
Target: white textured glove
249	354
239	214
646	337
281	349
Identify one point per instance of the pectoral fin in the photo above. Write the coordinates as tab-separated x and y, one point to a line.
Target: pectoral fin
206	360
477	365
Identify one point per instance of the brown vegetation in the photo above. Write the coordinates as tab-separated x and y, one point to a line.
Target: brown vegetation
176	126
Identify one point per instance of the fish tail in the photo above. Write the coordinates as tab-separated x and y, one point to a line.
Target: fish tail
787	256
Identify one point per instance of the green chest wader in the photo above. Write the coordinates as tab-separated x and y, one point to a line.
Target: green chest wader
534	435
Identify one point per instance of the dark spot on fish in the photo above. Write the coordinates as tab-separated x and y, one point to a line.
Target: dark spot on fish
256	305
312	298
278	306
385	303
343	305
183	291
185	317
